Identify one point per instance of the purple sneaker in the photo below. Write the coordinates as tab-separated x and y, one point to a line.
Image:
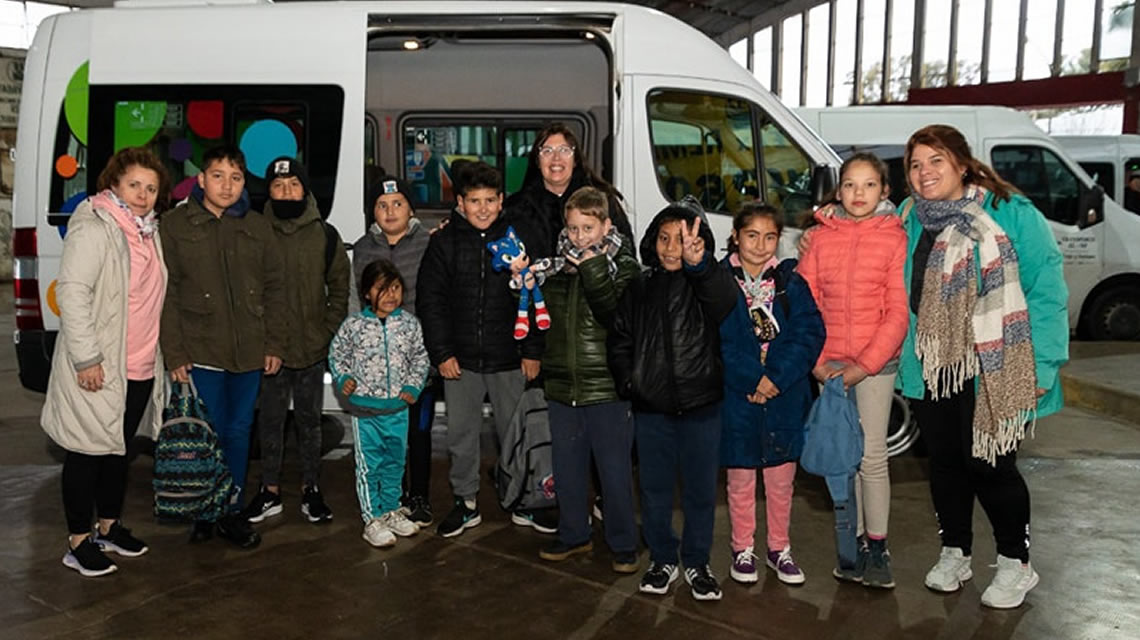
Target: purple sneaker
785	567
744	566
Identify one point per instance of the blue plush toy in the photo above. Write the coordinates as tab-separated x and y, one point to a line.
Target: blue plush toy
509	252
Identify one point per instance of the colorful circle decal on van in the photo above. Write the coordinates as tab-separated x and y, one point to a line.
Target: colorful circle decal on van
136	122
52	303
182	190
75	103
69	206
66	166
181	149
265	140
205	118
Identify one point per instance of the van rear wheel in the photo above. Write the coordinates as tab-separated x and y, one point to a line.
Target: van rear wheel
1115	315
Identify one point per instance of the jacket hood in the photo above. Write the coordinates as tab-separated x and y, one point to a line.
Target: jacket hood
687	209
237	209
415	227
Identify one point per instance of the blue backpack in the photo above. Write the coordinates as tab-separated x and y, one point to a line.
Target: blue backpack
191	479
833	448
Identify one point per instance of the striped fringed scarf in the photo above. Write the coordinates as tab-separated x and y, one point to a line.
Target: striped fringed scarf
965	332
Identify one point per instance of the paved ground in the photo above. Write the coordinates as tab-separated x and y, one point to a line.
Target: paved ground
307	581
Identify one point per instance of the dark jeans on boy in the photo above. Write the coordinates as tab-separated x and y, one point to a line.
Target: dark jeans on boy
230	399
421	416
606	431
956	477
306	387
100	482
667	446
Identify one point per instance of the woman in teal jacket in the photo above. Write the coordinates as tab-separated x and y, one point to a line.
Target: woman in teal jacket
988	332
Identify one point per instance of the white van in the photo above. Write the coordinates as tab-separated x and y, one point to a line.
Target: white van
1109	160
1099	239
350	87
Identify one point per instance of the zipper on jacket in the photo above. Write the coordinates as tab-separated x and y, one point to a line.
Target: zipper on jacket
387	355
668	344
571	354
229	287
482	302
850	324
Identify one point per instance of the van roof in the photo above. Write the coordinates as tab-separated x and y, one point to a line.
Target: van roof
877	125
642	29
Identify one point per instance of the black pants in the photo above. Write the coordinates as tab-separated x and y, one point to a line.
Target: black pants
101	481
421	415
956	478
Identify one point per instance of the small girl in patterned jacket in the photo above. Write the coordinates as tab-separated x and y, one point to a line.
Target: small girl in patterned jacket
379	364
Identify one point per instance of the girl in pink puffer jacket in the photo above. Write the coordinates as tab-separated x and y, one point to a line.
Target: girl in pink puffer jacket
854	264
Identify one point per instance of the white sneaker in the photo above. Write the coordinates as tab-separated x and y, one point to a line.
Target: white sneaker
377	535
1011	582
952	570
398	523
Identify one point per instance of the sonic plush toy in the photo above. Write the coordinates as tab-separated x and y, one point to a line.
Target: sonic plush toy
509	252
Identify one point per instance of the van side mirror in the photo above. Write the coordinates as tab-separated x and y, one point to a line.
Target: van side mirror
1090	206
824	177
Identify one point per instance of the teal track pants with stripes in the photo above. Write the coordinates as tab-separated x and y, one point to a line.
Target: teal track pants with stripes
381	447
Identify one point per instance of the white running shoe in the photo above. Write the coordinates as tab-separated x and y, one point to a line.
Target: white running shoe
1011	582
398	523
952	570
377	535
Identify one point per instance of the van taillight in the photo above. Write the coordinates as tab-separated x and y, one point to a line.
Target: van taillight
26	281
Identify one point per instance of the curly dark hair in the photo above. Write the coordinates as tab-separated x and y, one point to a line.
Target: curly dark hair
129	157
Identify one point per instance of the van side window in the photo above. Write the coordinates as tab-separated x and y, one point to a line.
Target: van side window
1131	196
787	172
703	146
180	122
1102	173
1042	177
431	145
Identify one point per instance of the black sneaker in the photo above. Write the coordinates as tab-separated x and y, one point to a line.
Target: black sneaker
202	531
265	504
460	519
419	511
658	578
541	520
120	541
559	551
88	560
703	583
236	529
313	506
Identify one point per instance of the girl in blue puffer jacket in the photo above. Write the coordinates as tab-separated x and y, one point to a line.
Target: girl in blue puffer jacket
379	364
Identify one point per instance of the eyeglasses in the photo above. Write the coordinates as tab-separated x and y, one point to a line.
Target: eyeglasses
563	150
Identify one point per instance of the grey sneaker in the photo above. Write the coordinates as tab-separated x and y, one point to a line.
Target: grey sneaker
1011	582
952	569
877	571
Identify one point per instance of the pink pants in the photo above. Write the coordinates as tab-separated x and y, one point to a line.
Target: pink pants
778	487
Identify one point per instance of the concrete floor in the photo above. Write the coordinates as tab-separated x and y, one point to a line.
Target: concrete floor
308	581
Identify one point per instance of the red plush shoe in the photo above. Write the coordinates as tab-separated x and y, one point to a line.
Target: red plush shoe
522	326
541	316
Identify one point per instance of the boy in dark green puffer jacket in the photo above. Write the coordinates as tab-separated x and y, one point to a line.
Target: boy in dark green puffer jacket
592	266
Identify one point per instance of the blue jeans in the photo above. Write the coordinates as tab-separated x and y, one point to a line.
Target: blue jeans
606	431
667	446
230	399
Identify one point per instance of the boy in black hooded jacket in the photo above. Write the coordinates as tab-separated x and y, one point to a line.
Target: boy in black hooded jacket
664	352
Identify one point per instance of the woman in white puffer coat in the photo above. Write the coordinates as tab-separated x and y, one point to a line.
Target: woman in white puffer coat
107	370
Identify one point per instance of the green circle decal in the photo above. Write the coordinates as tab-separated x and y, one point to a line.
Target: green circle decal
75	103
136	122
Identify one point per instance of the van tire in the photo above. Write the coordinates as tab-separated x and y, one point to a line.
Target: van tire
1115	315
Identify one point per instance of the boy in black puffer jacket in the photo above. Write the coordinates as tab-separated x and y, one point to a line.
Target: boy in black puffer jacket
664	352
468	314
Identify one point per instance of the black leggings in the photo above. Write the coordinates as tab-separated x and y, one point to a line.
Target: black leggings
101	481
956	478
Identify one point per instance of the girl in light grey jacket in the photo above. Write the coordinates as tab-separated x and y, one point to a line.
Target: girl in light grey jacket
378	361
